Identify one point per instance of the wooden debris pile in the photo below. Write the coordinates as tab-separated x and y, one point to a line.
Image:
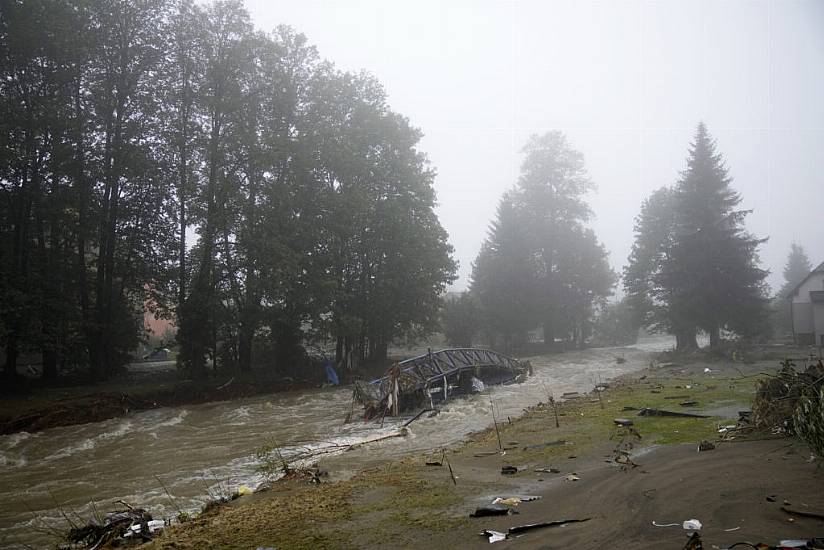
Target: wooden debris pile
120	526
792	402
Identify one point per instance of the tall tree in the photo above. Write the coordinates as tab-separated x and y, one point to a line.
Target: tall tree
653	304
551	188
694	259
540	264
128	124
505	277
225	50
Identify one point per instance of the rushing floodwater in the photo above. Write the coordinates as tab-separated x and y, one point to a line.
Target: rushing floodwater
212	446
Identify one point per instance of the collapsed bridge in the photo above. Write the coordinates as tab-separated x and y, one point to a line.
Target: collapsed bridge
435	377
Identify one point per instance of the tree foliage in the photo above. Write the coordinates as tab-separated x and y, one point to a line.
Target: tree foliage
693	265
540	264
127	125
460	320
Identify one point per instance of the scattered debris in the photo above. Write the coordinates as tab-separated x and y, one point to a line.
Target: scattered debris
549	470
705	445
531	526
519	498
791	402
494	536
665	524
627	436
814	515
692	525
694	542
707	370
509	470
132	522
660	412
623	422
771	498
733	529
688	403
492	510
548	444
572	477
243	491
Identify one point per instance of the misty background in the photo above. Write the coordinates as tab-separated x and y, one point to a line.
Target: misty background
626	81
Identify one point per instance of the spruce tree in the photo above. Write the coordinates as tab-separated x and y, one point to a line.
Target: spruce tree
797	267
710	268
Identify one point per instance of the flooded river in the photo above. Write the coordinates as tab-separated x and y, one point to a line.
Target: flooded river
206	448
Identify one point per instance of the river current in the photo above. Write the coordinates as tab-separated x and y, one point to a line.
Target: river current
210	448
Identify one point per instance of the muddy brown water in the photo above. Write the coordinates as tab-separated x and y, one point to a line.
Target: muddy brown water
210	448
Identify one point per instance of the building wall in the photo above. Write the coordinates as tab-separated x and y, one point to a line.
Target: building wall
803	317
815	282
818	320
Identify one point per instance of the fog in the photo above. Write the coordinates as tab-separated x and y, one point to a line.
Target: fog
626	81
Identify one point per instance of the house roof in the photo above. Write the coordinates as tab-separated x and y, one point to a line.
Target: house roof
819	269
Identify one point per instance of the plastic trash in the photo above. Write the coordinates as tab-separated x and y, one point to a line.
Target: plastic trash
243	490
154	526
511	501
331	375
692	525
494	536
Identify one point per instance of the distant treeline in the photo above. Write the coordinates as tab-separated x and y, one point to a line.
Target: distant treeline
123	124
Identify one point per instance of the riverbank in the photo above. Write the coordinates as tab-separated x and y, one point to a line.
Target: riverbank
572	467
46	408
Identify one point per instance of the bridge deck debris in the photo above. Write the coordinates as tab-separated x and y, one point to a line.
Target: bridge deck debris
435	377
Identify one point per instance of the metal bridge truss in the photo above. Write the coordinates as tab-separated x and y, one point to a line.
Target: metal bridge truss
439	370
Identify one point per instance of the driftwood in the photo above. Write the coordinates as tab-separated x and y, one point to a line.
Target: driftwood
660	412
118	524
814	515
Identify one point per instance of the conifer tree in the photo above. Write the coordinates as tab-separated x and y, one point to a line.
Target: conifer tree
703	264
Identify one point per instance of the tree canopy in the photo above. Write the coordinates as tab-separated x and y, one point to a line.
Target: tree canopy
541	266
128	125
693	265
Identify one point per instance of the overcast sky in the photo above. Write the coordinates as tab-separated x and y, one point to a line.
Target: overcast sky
627	81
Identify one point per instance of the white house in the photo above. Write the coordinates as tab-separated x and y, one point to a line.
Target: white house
807	308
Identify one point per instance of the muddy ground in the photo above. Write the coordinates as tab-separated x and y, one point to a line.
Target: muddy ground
408	503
